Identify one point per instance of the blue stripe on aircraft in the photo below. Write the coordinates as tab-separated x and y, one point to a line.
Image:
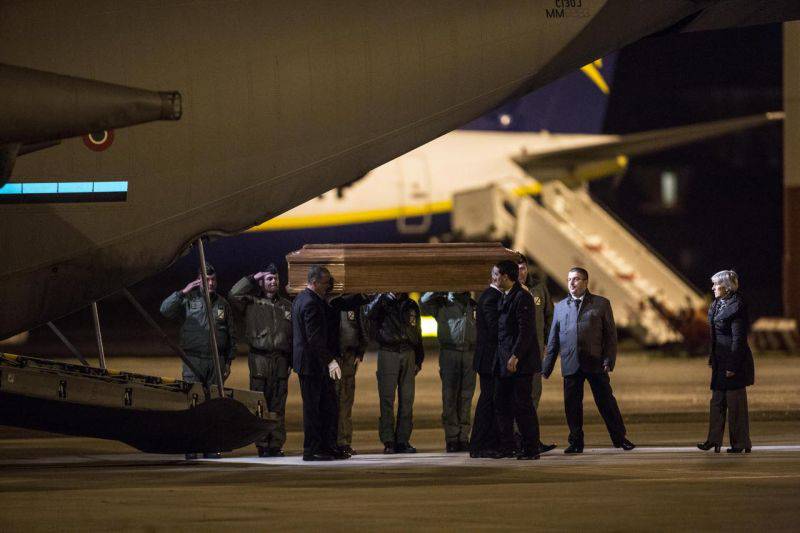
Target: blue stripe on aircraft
70	187
111	186
40	188
76	187
11	188
63	191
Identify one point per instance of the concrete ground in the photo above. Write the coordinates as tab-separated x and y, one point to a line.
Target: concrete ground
64	483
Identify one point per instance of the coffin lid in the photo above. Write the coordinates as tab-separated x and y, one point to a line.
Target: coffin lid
406	267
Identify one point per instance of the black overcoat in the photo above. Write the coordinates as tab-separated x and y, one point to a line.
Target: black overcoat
486	326
729	325
311	340
516	332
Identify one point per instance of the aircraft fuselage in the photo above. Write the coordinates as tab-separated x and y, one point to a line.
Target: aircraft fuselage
281	102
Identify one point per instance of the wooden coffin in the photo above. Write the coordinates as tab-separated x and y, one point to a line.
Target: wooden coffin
370	268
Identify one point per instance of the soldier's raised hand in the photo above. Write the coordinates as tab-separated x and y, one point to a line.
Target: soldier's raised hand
192	285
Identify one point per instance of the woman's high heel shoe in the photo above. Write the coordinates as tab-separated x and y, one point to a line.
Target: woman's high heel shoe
705	446
738	450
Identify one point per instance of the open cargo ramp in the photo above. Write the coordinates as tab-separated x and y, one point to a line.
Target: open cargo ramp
152	414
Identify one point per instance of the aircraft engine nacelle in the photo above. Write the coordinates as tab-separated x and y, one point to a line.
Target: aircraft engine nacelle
41	107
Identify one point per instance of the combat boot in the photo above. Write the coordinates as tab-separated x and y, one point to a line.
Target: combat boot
404	447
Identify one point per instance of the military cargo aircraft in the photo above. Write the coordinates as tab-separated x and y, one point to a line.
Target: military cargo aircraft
550	134
128	130
268	105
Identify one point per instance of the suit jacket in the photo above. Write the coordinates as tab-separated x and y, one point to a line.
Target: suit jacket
516	333
729	348
585	337
486	323
311	344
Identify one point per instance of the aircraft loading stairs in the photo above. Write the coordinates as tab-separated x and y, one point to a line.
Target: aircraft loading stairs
567	228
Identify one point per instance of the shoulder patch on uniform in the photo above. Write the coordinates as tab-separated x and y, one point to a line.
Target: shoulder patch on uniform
288	315
537	300
412	319
220	313
351	315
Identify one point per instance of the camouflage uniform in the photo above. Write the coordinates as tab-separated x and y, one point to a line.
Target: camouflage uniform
455	315
268	330
396	324
190	309
352	344
543	306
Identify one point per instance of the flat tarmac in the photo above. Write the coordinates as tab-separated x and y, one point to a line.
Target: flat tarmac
65	483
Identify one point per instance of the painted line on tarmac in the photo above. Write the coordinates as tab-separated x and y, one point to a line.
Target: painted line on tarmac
709	478
461	459
378	460
111	459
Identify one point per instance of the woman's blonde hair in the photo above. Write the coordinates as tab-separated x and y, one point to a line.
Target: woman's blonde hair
728	279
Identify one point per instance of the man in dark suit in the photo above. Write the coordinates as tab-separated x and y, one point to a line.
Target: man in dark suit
583	332
483	441
516	360
315	364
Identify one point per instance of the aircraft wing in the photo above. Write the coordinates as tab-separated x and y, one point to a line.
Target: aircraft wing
740	13
610	152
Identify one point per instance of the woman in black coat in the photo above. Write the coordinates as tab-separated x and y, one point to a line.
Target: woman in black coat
731	363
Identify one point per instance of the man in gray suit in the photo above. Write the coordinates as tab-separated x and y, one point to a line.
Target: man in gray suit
583	332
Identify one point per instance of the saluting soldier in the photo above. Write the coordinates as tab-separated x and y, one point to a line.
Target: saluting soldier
268	330
455	314
189	307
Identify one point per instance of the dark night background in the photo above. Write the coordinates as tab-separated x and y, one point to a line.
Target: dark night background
728	212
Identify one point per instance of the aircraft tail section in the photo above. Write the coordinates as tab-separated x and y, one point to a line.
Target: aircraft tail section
575	103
